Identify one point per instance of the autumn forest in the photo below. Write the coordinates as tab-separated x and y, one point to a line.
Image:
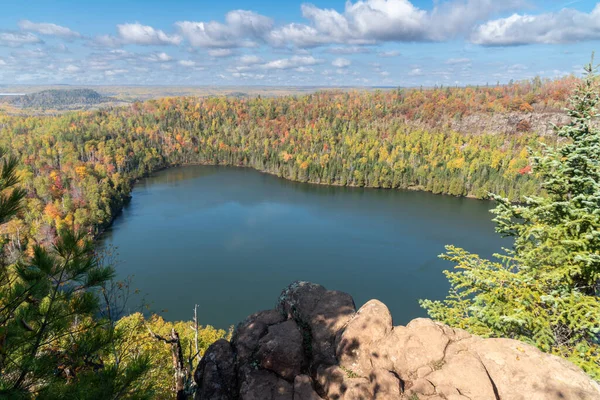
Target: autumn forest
79	168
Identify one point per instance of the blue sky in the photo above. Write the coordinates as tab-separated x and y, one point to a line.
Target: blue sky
323	43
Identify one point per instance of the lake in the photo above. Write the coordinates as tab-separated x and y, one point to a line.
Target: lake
230	239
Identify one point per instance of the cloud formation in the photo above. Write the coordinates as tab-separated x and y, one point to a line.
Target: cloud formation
145	35
293	62
341	63
18	39
361	24
367	41
45	28
220	53
455	61
241	29
373	21
391	53
250	59
565	26
159	57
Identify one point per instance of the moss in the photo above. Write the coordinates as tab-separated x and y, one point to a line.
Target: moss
349	372
437	365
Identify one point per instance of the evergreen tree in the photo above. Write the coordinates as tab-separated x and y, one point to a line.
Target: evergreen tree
10	194
52	342
546	289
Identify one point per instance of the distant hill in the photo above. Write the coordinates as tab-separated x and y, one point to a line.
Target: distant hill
59	99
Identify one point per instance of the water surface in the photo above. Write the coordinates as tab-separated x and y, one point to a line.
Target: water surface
230	239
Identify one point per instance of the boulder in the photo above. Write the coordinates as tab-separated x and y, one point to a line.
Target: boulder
248	333
340	384
304	389
520	371
321	313
280	350
370	324
216	373
314	346
264	385
386	385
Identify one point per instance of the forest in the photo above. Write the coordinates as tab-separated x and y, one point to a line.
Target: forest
78	168
76	171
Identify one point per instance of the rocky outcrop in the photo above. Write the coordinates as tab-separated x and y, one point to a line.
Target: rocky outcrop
540	123
315	345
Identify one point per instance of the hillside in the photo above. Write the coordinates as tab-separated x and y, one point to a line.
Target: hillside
130	93
78	168
59	99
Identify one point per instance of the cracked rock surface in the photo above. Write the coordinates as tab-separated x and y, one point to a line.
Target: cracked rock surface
315	345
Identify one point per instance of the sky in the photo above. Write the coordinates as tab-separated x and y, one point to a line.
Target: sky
294	43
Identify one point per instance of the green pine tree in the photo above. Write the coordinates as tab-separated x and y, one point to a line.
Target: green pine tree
52	340
546	289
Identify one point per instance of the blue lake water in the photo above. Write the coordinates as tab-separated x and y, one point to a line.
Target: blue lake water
230	239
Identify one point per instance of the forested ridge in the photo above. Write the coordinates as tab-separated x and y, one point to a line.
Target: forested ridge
57	99
78	168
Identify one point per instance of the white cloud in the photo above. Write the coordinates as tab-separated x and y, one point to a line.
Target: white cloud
391	53
293	62
17	39
72	69
304	69
187	63
362	22
516	68
341	63
45	28
459	16
250	59
249	23
113	72
383	20
60	48
219	53
159	57
2	62
36	53
298	35
348	50
415	72
241	29
373	21
454	61
145	35
107	41
201	34
247	75
565	26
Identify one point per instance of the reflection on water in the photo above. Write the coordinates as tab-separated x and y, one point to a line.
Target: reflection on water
229	239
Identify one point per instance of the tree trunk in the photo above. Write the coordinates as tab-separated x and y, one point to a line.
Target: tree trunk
178	365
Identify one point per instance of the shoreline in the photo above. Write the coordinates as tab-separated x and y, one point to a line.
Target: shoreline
102	229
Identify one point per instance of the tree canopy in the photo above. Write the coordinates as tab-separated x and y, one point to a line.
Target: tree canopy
546	289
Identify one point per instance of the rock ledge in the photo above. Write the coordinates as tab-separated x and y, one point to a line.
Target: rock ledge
315	345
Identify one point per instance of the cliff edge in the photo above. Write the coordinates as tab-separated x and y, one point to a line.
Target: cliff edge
315	345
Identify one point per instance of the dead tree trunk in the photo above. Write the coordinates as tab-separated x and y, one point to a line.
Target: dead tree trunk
181	372
178	365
